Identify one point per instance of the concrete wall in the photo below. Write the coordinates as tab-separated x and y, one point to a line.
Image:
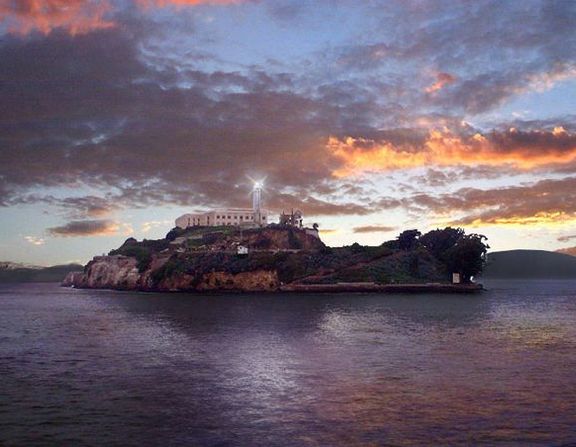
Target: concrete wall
224	217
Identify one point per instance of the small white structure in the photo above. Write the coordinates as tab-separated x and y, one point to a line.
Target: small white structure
242	250
456	278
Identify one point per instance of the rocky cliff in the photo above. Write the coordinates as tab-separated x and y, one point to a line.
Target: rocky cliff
200	259
121	273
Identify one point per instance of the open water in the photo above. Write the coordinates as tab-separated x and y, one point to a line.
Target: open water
102	368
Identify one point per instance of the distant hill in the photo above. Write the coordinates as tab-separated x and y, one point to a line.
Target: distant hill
12	272
530	264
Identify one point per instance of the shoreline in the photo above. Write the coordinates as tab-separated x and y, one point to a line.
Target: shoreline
383	288
320	288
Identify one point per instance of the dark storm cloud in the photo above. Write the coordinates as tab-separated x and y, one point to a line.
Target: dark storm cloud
85	228
87	110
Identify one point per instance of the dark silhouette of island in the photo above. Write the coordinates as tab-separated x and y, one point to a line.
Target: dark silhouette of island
525	264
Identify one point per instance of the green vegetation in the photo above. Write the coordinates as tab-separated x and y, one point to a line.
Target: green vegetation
142	251
456	251
411	258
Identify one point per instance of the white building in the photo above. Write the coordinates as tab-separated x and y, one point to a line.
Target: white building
249	217
225	217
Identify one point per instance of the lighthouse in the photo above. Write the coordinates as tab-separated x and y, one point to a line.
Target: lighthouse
257	202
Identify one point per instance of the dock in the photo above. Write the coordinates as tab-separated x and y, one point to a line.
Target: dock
370	287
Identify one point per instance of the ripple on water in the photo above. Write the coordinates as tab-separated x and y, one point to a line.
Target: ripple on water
106	368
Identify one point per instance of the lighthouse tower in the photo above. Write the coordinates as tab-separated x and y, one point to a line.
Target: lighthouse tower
257	202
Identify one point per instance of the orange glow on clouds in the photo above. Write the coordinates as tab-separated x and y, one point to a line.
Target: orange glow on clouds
442	80
74	16
444	148
548	219
163	3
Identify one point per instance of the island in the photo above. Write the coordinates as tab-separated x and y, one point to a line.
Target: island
287	258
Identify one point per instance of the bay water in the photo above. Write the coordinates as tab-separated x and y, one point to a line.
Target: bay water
106	368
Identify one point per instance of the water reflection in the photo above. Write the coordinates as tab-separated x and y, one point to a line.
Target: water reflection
148	369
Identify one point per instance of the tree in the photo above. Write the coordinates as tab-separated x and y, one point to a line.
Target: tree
438	241
174	233
407	239
468	256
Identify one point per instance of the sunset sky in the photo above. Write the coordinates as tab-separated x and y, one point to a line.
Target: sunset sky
371	116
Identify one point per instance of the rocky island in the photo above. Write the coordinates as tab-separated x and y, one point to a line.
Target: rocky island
284	258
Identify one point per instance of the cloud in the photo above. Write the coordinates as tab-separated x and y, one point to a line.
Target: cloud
442	80
78	16
568	251
95	227
488	54
328	231
107	111
566	238
373	229
519	149
75	16
547	202
164	3
34	240
117	123
312	206
147	226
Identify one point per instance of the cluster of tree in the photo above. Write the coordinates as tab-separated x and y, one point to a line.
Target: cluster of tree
457	251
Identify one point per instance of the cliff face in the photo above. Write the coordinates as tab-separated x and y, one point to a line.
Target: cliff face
114	272
121	273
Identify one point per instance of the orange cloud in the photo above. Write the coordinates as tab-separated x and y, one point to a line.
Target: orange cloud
101	227
568	251
539	218
75	16
373	229
520	149
442	80
327	231
163	3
